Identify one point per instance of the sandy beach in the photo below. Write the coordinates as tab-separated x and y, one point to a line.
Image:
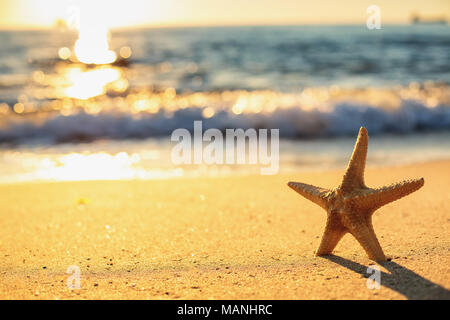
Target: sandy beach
135	139
217	238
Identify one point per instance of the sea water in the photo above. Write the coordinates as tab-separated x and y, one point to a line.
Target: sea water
317	84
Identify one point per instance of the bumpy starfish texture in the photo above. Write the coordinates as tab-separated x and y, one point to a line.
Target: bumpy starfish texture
351	205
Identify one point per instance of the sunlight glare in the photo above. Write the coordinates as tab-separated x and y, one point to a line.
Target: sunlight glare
88	84
98	166
92	46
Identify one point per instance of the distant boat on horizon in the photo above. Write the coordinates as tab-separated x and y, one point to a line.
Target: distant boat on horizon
416	19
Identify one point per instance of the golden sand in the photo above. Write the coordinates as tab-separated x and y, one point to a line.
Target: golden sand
217	238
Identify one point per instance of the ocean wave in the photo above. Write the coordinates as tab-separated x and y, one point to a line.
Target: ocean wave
295	117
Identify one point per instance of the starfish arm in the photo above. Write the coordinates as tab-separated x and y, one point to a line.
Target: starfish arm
377	198
354	175
364	233
310	192
334	231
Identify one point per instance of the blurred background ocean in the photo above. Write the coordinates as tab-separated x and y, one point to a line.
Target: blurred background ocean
62	120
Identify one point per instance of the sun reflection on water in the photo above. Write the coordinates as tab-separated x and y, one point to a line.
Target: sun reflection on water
102	166
92	46
84	166
92	83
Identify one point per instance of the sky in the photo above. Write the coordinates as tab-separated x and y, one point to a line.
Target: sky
129	13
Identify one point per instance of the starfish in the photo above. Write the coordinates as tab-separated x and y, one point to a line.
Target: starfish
351	205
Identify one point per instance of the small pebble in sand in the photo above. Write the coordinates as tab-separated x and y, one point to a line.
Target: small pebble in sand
82	201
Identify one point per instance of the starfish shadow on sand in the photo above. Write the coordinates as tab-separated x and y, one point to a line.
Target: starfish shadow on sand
400	279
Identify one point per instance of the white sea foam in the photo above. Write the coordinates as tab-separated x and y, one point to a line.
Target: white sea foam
294	119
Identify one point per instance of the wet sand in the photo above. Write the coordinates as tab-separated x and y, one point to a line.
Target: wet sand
217	238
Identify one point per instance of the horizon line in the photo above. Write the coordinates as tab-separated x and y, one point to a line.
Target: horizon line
207	25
